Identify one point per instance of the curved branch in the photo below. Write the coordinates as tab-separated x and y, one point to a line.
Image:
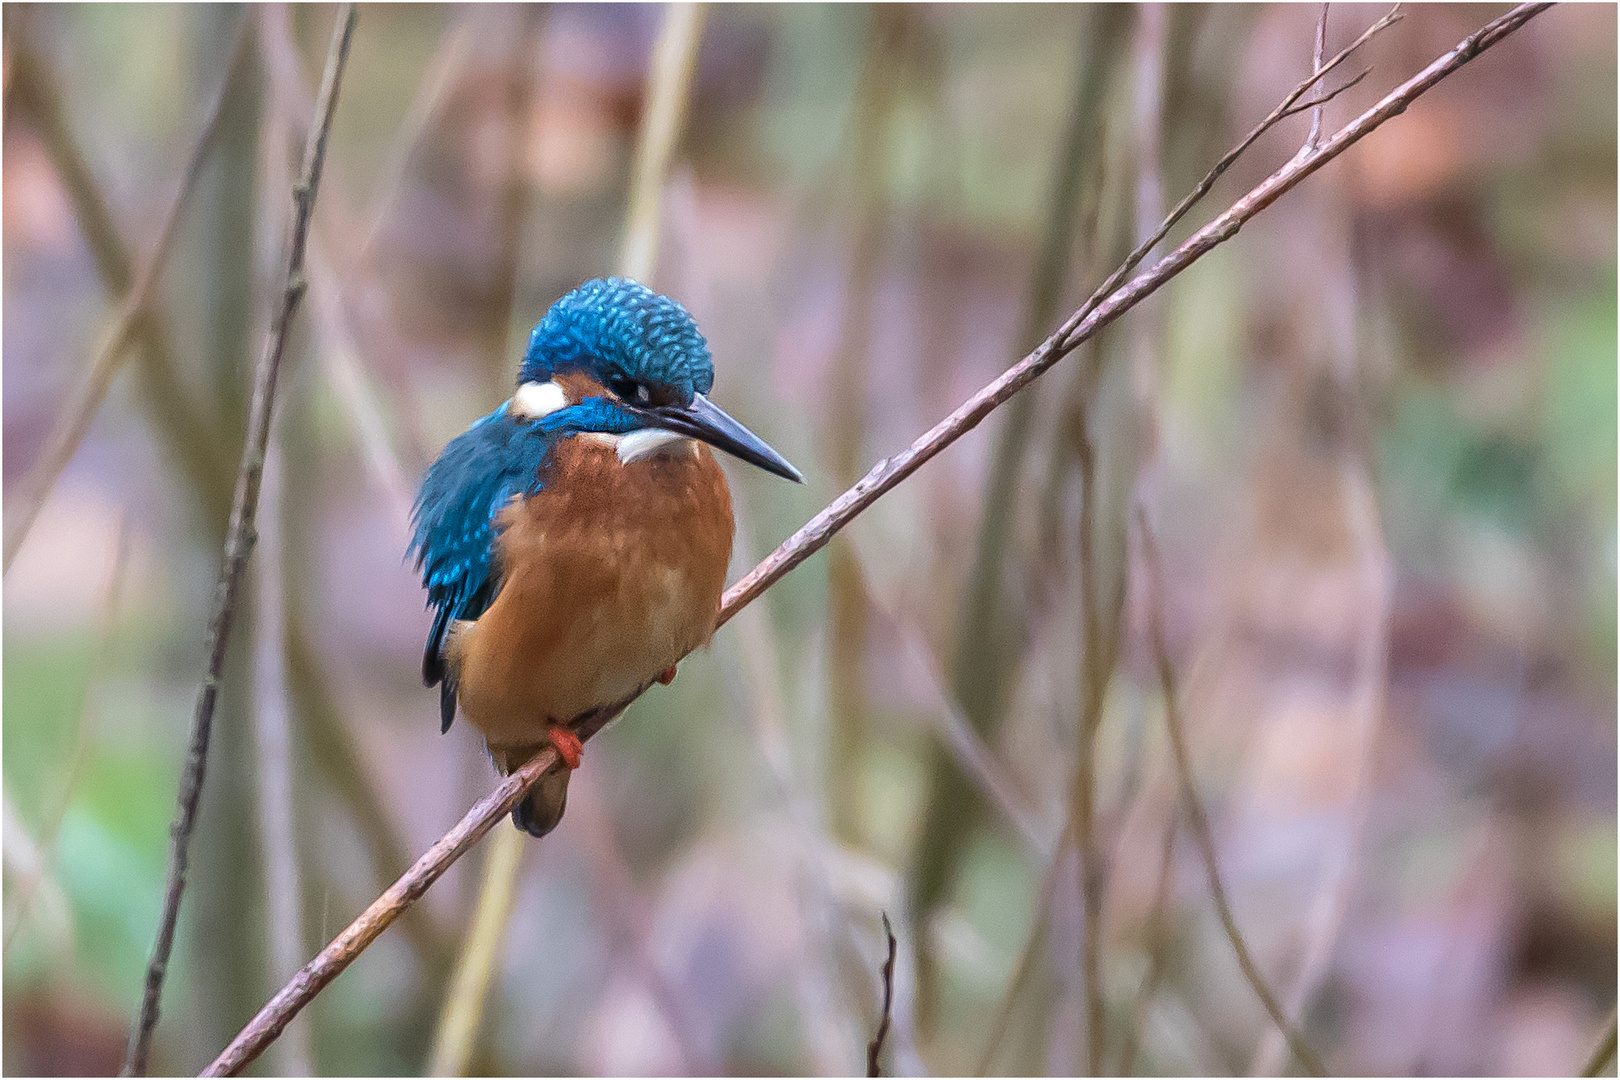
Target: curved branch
238	545
813	536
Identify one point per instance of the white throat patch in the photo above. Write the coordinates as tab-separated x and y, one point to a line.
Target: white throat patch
647	442
534	400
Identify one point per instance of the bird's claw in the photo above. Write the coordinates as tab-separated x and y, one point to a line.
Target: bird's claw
568	746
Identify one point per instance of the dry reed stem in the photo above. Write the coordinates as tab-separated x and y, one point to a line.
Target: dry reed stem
814	534
464	1003
238	543
74	420
1193	806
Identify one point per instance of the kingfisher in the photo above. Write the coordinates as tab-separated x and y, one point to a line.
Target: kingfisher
574	542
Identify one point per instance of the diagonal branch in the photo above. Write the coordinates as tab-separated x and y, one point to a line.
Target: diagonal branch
74	421
238	544
810	538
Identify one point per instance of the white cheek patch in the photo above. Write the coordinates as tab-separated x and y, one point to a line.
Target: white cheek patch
647	442
534	400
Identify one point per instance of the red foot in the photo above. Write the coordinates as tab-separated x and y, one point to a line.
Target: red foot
667	676
569	748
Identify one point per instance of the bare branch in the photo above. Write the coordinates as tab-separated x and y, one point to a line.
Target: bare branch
238	544
1281	112
814	535
874	1049
264	1028
1315	134
74	420
1194	807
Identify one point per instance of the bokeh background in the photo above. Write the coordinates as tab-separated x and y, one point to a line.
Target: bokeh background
1374	434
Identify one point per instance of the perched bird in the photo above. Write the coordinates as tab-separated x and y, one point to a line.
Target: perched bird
574	542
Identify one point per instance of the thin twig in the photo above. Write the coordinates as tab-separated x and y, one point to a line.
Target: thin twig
874	1049
1317	52
814	535
1085	323
1158	942
74	420
1603	1052
1288	107
272	728
239	543
1193	805
1095	672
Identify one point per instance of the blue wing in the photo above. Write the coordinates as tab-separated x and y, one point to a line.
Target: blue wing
476	475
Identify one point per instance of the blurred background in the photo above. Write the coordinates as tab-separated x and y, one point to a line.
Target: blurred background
1374	436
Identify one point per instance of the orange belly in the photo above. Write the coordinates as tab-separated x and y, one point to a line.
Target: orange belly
612	573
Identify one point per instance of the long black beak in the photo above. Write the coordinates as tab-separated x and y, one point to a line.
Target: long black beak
705	420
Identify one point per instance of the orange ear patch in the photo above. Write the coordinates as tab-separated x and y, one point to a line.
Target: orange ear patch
579	386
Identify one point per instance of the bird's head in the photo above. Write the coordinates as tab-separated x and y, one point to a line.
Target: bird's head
614	357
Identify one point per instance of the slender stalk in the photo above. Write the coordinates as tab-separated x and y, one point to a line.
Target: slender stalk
1158	942
74	421
669	87
810	538
238	545
272	728
464	1004
982	663
844	423
1193	806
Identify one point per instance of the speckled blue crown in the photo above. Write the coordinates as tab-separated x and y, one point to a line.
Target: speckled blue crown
618	327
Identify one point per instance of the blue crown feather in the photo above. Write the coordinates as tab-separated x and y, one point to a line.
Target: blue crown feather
617	326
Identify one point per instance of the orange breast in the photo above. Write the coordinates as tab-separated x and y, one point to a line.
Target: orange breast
612	573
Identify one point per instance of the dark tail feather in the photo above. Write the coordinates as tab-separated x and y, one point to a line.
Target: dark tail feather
432	653
542	808
447	704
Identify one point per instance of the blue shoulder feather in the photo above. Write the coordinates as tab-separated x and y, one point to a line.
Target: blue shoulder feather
478	473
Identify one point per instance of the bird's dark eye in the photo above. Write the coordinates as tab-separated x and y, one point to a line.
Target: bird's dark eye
631	390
